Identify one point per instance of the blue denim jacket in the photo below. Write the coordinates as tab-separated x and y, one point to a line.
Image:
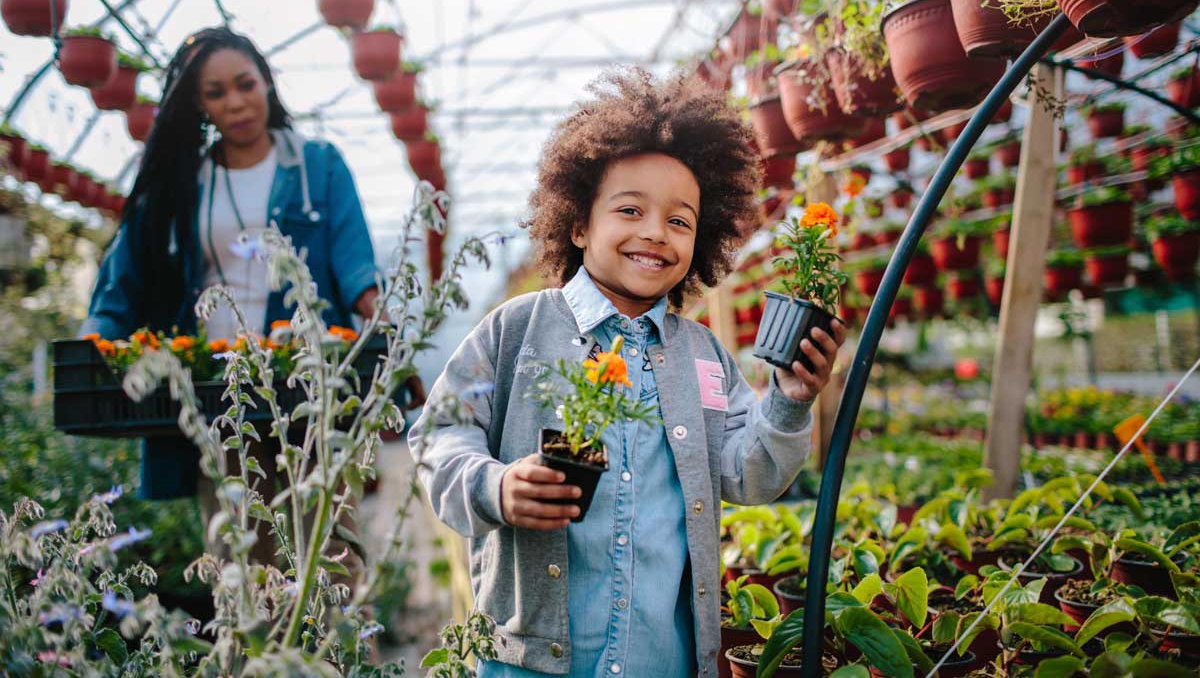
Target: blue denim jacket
313	201
629	596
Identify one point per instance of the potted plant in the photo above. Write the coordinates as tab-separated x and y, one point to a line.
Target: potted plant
139	119
771	129
928	61
859	64
33	17
1008	150
1149	566
985	31
1001	234
411	123
13	149
1184	87
1107	265
376	53
1175	243
962	285
350	14
1156	43
902	195
1106	120
779	171
977	164
759	70
36	167
898	160
120	93
424	155
812	283
1183	168
955	246
999	191
1101	216
87	58
398	92
1084	165
868	273
592	401
746	604
929	301
993	281
1109	65
1064	272
1105	18
810	106
921	270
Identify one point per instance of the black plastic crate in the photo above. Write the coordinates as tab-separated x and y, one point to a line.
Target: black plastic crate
89	399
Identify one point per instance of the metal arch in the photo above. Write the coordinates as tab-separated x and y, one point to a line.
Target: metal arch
1126	85
864	358
116	14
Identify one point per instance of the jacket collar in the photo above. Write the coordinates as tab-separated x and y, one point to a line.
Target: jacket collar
589	307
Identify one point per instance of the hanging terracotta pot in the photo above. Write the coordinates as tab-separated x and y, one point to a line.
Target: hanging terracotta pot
1107	270
139	120
1100	225
1111	65
376	54
921	270
63	179
423	156
87	60
778	171
1082	173
928	61
976	168
861	241
900	198
352	14
898	160
750	31
410	124
1009	153
994	289
397	92
930	301
18	151
33	17
36	167
874	130
1177	254
1156	43
902	307
1185	89
1186	186
867	282
1000	241
949	256
985	31
996	198
1106	123
760	79
119	93
1004	113
1062	279
857	93
949	134
963	286
810	107
780	9
771	130
1117	18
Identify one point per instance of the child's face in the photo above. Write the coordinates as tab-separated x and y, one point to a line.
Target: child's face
640	235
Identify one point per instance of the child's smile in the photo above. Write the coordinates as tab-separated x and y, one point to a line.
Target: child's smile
641	233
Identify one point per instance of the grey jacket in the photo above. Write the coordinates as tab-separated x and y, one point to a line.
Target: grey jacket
727	445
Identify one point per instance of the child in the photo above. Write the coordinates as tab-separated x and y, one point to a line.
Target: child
639	194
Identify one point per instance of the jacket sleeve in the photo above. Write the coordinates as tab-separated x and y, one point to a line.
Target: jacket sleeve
453	460
766	441
112	312
351	255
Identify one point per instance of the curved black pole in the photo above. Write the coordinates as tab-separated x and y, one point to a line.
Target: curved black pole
860	370
1122	84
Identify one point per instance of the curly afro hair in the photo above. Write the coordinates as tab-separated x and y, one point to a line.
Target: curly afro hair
633	114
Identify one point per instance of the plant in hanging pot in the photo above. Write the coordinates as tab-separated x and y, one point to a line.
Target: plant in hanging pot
411	123
376	53
902	195
1158	42
810	106
999	191
962	285
1064	272
1175	243
921	269
399	91
1084	165
1184	87
1008	150
1105	120
812	282
771	129
36	167
759	69
33	17
587	398
985	31
858	61
899	159
87	58
424	154
868	273
120	93
1104	18
955	245
978	164
1183	169
1101	216
930	301
1107	266
779	171
993	281
139	119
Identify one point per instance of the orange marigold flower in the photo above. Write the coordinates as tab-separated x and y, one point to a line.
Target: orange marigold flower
182	343
146	338
241	346
93	337
280	323
105	347
609	367
854	187
344	333
218	345
820	214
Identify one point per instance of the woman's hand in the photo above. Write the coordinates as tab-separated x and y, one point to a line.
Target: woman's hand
799	383
365	304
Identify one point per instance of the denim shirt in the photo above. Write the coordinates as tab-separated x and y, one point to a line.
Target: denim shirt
629	595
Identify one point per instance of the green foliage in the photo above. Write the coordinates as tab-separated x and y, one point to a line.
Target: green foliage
461	643
1169	224
127	60
811	272
1064	257
1103	195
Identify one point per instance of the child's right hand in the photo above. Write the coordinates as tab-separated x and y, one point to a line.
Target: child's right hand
523	487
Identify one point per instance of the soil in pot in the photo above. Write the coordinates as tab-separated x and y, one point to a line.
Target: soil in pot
771	128
731	638
786	321
790	592
583	471
744	662
1078	601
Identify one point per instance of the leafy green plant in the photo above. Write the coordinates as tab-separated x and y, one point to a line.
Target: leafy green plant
1102	195
1083	155
1108	107
1106	251
749	604
1169	224
461	642
89	31
127	60
811	272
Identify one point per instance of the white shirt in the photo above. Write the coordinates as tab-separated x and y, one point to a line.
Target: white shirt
229	243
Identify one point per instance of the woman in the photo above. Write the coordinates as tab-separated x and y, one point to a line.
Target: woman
196	208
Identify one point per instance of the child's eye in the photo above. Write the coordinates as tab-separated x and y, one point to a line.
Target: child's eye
632	211
681	222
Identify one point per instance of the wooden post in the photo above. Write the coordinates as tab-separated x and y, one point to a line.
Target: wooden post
719	301
1033	213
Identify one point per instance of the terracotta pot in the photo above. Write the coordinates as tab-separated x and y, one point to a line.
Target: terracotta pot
856	92
1158	42
410	124
1004	113
1152	577
423	156
1009	154
1175	450
1107	271
985	31
1100	225
1106	124
759	79
1185	90
63	178
1062	279
898	160
874	129
900	199
397	92
902	307
1186	186
955	667
950	257
1117	18
1078	174
861	241
921	271
976	168
139	120
749	32
18	150
867	282
1187	644
780	8
930	301
949	134
788	602
117	94
809	123
1112	65
1191	452
928	61
771	129
352	14
778	171
87	60
1054	581
998	197
962	288
1082	440
731	638
994	288
37	164
33	17
745	669
1141	157
1177	255
1000	240
376	54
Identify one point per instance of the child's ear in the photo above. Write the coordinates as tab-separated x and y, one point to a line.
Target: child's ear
578	235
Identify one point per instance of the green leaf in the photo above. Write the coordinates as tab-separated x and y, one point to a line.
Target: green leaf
1070	542
945	627
851	671
1130	500
1118	642
876	641
764	600
837	603
750	514
912	596
334	567
865	562
113	645
1184	536
916	655
1059	667
1157	668
954	536
1046	636
1131	545
965	586
1039	614
435	657
786	635
347	535
766	627
868	588
1111	665
989	623
1106	616
1167	612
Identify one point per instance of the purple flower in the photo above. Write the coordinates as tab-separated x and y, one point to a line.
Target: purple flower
122	540
47	527
118	606
370	630
110	496
192	626
248	248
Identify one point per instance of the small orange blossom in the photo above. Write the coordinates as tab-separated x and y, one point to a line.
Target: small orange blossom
609	367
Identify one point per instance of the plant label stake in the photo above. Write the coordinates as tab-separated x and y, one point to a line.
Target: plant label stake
1128	429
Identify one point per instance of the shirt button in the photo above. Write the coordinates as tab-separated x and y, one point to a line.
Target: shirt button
706	668
700	589
275	211
626	476
698	507
624	326
622	540
680	432
554	571
622	603
555	650
615	668
633	352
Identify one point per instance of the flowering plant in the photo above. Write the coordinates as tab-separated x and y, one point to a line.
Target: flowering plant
811	271
593	400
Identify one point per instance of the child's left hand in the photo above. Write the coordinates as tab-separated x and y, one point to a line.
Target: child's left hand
799	383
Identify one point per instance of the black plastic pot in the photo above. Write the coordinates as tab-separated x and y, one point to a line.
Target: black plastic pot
785	322
581	475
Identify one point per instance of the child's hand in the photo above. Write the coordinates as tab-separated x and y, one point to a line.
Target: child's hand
522	488
799	383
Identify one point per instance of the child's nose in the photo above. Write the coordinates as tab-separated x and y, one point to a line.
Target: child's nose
654	229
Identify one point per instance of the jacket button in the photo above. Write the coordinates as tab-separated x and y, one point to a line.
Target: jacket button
700	589
680	432
555	650
660	359
554	572
698	507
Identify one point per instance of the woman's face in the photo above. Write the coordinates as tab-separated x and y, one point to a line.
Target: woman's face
233	94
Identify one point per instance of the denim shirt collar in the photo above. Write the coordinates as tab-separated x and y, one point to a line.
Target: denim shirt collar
591	308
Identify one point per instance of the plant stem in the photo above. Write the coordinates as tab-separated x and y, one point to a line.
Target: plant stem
310	571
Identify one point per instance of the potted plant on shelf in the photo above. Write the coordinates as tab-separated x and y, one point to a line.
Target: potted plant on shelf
1064	272
1001	233
399	91
87	58
993	281
1008	150
812	282
1183	168
1105	120
902	195
591	401
779	171
1175	243
376	53
858	61
33	17
899	159
1107	265
349	14
962	285
978	164
999	191
1084	165
1151	565
1101	216
955	245
868	273
139	119
1184	87
120	93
